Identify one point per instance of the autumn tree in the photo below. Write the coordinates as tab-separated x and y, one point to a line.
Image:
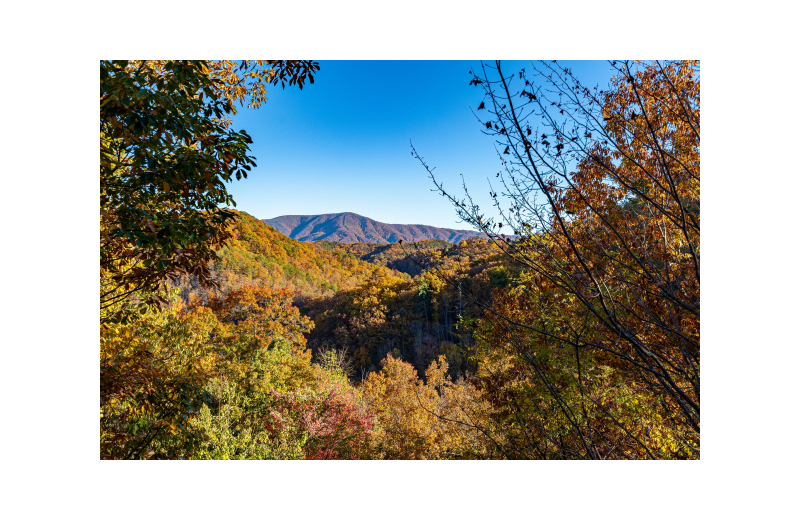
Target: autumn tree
432	419
166	151
153	373
598	342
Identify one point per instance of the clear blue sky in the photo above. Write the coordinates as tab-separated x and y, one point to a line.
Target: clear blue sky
342	144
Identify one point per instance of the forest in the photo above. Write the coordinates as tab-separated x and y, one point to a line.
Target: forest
569	328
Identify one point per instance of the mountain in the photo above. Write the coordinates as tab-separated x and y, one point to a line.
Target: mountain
349	228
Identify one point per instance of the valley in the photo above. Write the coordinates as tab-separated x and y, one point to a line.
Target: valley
366	300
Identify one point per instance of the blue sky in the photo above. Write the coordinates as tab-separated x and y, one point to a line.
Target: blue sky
342	144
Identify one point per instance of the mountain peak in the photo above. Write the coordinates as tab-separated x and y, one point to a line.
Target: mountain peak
350	227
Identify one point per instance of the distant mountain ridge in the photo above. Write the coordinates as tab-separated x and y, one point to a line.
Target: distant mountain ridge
349	228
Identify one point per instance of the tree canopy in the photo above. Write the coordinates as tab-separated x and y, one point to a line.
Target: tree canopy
603	191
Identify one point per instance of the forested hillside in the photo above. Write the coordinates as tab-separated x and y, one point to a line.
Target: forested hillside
348	228
257	254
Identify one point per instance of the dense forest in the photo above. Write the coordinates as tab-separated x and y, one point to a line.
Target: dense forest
567	329
404	258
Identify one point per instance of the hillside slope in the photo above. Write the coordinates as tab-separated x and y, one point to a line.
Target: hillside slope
349	228
260	255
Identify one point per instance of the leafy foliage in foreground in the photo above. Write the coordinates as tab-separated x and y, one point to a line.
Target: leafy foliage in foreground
596	350
166	151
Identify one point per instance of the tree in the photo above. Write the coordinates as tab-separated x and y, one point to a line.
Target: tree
435	419
604	207
166	152
152	377
198	381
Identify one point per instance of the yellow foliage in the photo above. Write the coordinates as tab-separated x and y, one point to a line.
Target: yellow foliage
421	420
